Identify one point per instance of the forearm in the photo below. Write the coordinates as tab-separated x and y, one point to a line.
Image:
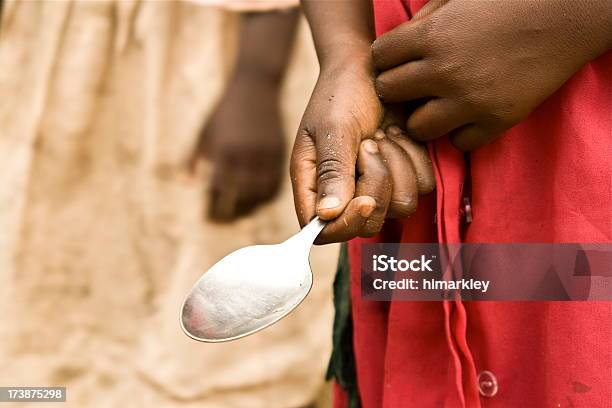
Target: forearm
266	41
342	30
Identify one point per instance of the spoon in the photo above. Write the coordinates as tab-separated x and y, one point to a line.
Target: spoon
250	289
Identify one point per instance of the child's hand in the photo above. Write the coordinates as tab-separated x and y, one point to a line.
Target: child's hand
392	171
483	66
409	167
244	139
343	110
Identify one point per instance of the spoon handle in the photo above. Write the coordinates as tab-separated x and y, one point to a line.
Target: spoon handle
309	233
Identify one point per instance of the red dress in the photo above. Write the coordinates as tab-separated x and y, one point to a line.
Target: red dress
548	180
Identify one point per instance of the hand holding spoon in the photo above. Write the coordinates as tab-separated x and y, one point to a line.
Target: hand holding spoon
250	289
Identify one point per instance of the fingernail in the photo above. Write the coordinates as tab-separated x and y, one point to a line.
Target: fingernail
379	134
366	211
394	130
327	203
370	146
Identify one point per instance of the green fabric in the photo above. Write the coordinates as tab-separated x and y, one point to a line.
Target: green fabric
342	362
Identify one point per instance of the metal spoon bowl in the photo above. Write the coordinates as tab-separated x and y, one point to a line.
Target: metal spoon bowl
250	289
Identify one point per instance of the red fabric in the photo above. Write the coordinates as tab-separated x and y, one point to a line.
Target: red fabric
548	179
339	396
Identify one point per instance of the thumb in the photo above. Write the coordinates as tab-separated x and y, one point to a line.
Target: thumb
336	158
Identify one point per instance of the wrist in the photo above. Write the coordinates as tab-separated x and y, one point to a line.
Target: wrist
342	30
344	57
257	75
251	78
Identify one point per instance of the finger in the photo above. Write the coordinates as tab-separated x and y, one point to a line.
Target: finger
237	188
303	171
436	118
365	214
471	137
398	46
394	131
336	153
255	188
223	196
350	223
419	157
374	181
428	8
406	82
405	193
